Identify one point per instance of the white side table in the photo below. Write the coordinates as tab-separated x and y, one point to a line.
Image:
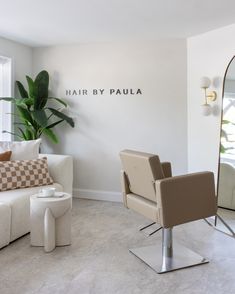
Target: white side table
50	221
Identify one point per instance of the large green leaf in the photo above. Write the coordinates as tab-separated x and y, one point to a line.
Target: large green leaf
22	133
59	100
24	102
32	88
30	134
41	84
28	101
19	123
21	88
14	134
51	135
8	99
25	114
54	124
63	116
40	117
19	101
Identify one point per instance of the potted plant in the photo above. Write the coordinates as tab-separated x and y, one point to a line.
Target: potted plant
34	116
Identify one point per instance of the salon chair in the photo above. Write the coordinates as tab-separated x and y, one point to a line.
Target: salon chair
149	189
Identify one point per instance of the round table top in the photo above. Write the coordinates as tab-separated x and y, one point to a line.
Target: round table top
57	197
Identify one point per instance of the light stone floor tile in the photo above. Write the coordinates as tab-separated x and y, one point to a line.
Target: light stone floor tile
98	261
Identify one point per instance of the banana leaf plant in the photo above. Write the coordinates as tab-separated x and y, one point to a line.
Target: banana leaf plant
33	116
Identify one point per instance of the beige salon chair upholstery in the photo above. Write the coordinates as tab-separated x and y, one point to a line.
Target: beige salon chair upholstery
149	189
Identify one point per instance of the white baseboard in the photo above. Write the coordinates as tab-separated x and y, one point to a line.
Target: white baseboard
97	195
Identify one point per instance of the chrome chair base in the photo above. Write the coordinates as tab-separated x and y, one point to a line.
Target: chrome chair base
182	257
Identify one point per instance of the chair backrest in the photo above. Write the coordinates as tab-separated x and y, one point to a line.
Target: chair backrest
142	170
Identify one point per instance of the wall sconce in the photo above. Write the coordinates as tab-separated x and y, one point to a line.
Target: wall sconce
209	96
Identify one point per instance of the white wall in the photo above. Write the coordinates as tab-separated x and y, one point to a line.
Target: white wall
208	55
154	122
21	56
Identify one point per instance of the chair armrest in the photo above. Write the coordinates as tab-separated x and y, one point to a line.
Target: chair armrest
185	198
166	167
61	170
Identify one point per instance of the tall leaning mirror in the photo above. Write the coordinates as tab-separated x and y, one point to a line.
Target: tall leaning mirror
226	171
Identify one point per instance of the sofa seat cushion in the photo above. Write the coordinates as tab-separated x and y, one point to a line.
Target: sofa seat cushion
19	202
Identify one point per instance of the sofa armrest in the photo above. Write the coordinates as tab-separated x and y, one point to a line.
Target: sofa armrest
186	198
61	170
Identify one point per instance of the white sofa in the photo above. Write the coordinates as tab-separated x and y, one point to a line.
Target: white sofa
15	204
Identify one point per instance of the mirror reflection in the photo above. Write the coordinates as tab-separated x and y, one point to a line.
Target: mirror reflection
226	180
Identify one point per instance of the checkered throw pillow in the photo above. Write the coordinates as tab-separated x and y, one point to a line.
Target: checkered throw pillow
24	173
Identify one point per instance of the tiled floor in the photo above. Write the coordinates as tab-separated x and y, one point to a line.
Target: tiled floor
98	261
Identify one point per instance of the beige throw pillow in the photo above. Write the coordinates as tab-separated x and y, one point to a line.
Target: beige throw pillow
24	174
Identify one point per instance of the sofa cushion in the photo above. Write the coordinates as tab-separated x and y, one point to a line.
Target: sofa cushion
18	201
5	156
21	150
24	174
